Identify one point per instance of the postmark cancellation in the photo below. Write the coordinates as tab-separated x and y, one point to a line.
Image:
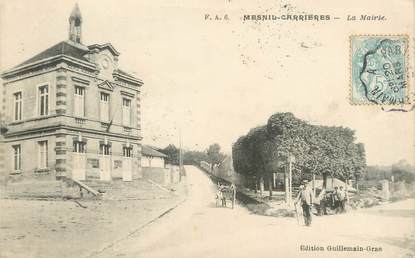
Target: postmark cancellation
379	70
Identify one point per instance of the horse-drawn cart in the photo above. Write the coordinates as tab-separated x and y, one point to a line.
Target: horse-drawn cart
225	192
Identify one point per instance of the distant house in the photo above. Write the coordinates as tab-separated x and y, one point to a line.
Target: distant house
155	168
152	158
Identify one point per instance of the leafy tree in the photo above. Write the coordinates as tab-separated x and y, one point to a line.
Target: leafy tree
173	153
214	155
323	150
242	158
377	172
359	162
403	171
194	157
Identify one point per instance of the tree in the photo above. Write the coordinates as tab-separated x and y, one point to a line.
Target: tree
359	163
257	138
403	171
214	155
243	158
173	153
194	157
323	150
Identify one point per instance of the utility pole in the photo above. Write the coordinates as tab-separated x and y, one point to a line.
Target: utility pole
291	160
180	154
288	180
286	183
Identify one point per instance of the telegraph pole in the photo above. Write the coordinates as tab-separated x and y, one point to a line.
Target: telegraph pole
180	154
286	183
289	180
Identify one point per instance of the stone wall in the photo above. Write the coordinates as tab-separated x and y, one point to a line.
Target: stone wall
159	175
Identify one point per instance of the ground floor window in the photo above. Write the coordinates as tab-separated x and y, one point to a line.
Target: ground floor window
79	147
127	152
17	159
106	149
43	154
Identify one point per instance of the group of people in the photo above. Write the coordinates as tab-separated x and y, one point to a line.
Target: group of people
337	200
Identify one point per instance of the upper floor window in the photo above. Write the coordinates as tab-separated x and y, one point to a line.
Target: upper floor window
126	111
44	100
104	107
79	101
43	154
18	100
17	157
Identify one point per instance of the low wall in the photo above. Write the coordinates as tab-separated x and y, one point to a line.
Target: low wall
174	174
163	176
159	175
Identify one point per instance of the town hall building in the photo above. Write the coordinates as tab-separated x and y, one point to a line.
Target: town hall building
71	112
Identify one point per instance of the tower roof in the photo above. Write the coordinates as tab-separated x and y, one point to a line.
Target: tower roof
76	12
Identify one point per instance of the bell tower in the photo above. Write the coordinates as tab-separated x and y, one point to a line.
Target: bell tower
75	25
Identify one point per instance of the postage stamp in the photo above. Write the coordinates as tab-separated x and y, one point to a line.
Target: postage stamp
379	67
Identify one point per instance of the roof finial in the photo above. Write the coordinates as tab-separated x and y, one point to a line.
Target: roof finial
76	12
75	24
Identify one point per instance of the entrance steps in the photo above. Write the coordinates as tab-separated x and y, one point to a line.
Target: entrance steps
140	189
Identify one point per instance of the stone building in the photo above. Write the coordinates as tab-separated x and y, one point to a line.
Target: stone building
71	113
155	168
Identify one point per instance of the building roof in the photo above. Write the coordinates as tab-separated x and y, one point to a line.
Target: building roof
108	46
148	151
124	73
62	48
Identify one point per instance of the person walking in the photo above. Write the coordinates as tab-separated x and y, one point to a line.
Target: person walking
305	196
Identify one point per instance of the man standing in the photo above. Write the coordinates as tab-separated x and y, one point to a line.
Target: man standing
342	199
335	199
322	202
306	197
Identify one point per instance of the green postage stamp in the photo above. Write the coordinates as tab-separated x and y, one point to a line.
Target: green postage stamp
379	65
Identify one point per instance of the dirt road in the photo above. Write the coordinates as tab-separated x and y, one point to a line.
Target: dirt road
199	229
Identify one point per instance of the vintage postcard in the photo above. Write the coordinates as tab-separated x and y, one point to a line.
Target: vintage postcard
210	129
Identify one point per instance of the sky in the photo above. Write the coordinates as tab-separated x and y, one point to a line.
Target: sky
213	80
